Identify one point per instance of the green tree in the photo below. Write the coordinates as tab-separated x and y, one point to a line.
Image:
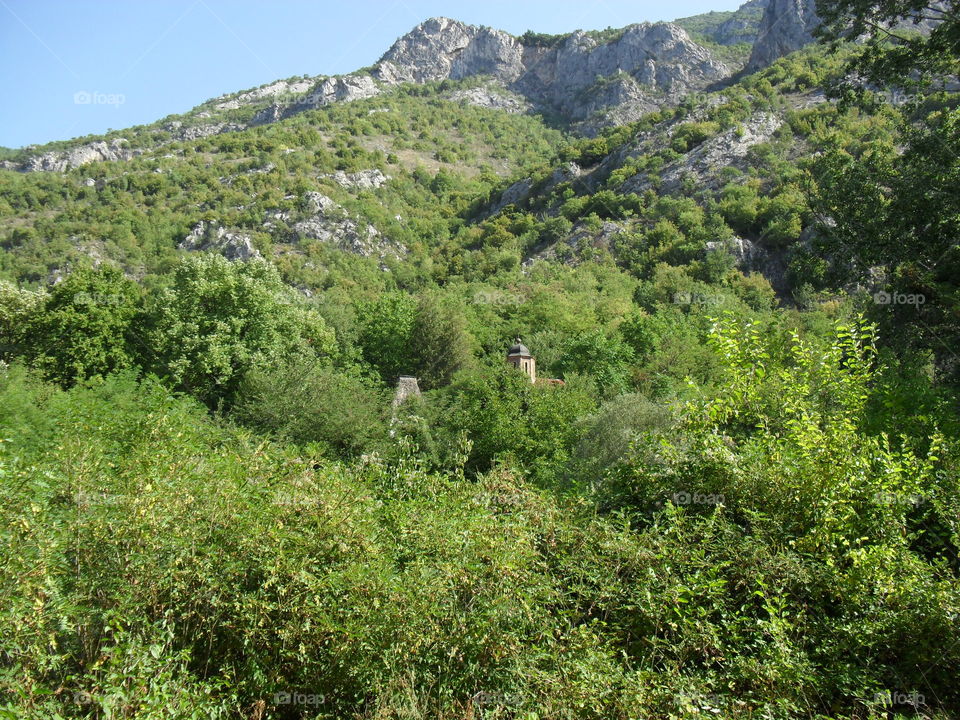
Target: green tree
601	356
440	341
306	401
84	326
385	336
889	51
217	320
18	309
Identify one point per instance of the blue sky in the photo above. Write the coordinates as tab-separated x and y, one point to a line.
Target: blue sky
74	67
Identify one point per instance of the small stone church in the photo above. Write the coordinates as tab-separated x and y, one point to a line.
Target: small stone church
519	356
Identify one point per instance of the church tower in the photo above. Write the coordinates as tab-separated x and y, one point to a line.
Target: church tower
520	357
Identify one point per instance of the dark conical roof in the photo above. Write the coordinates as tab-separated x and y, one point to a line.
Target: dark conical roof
518	348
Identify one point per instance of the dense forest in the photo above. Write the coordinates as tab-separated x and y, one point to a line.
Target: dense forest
742	501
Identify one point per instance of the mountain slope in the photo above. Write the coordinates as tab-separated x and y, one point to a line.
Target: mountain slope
587	79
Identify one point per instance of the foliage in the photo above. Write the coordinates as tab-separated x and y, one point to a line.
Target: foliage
83	327
305	401
217	320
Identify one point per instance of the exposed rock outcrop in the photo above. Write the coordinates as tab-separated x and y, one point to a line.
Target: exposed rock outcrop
489	98
330	223
514	194
647	64
325	92
704	163
442	48
196	132
61	161
212	237
787	25
362	180
751	257
741	26
281	87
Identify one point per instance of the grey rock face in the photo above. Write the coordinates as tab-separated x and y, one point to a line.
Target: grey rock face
751	257
703	163
342	89
787	26
659	57
605	238
647	63
362	180
215	238
514	194
562	174
69	159
741	27
329	90
330	223
747	254
442	48
407	387
489	98
196	132
281	87
318	203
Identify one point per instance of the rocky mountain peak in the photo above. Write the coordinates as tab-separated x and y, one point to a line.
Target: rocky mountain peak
591	79
441	48
580	76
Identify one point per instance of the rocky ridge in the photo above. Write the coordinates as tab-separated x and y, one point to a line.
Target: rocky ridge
590	82
646	66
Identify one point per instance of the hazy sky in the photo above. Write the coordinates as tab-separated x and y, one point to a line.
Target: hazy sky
73	67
